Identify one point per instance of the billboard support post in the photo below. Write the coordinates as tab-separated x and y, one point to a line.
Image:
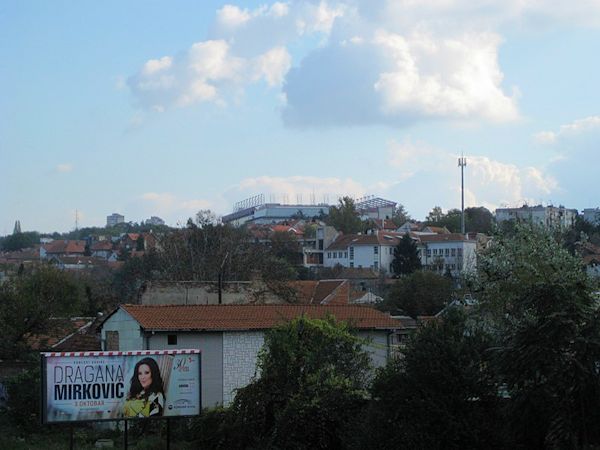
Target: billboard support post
71	443
168	434
125	435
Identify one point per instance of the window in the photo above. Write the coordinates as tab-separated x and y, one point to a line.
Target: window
351	253
428	252
345	254
335	254
320	244
376	265
351	264
453	251
375	250
435	252
459	250
112	340
329	254
171	339
447	252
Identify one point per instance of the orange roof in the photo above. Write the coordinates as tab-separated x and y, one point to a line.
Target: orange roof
65	247
250	317
379	238
102	245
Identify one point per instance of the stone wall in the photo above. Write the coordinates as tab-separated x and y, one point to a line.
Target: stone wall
240	351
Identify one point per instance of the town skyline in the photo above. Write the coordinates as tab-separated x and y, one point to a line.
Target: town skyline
146	109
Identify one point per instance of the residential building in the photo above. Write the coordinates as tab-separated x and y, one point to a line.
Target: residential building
374	250
313	252
231	336
453	252
61	247
592	215
557	217
154	220
114	219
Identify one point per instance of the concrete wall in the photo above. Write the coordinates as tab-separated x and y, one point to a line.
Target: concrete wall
130	336
240	351
211	346
377	346
206	293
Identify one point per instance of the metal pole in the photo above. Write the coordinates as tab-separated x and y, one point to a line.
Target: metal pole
462	162
168	434
125	436
71	440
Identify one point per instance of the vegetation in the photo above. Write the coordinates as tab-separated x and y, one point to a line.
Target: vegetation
422	293
344	217
312	383
477	219
406	257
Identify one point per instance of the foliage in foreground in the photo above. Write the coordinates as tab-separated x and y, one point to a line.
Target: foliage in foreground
312	383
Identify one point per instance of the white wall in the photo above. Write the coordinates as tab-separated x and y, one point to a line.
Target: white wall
130	337
240	352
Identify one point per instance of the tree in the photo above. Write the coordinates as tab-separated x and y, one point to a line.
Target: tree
540	303
479	220
284	245
422	293
401	216
29	301
344	217
441	394
312	383
19	241
435	215
406	256
139	243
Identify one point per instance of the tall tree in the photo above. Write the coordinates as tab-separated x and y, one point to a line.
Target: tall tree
422	293
344	217
401	216
312	383
435	215
406	256
479	220
548	325
440	395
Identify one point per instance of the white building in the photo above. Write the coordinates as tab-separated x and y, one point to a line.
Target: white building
114	219
154	220
592	215
547	216
452	252
439	252
375	251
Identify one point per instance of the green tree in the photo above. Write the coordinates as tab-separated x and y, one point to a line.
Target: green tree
440	395
19	241
435	215
401	216
406	256
344	217
29	301
312	383
479	220
284	245
548	326
139	243
422	293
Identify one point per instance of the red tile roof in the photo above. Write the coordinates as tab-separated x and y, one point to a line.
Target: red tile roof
102	246
65	247
250	317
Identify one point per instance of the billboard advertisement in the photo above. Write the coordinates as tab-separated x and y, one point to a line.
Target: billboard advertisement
82	386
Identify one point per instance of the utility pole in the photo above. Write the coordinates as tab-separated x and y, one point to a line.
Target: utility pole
462	163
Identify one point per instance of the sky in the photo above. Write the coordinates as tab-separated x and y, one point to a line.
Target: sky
155	108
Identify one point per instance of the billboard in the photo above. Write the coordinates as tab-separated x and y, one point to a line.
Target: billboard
82	386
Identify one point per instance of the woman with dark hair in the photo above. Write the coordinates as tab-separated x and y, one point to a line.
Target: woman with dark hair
146	396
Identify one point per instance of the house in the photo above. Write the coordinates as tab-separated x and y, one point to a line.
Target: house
102	249
557	217
374	250
62	248
453	252
230	336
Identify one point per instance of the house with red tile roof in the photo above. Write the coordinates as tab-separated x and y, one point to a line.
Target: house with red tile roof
62	248
230	336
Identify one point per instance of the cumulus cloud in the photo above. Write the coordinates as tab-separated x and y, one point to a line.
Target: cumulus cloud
165	203
352	62
64	168
579	127
300	189
488	182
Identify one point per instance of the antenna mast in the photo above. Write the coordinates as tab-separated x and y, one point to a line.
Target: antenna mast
462	163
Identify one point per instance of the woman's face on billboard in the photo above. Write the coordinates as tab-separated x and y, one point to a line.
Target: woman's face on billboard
145	375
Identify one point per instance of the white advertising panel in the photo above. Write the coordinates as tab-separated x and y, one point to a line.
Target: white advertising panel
84	386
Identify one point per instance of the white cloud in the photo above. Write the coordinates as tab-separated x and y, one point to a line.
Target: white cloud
166	203
308	189
230	16
576	128
273	65
64	168
156	65
488	182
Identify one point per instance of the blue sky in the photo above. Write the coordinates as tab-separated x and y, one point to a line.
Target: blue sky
164	108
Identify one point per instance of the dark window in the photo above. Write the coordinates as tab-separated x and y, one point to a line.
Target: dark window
172	339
